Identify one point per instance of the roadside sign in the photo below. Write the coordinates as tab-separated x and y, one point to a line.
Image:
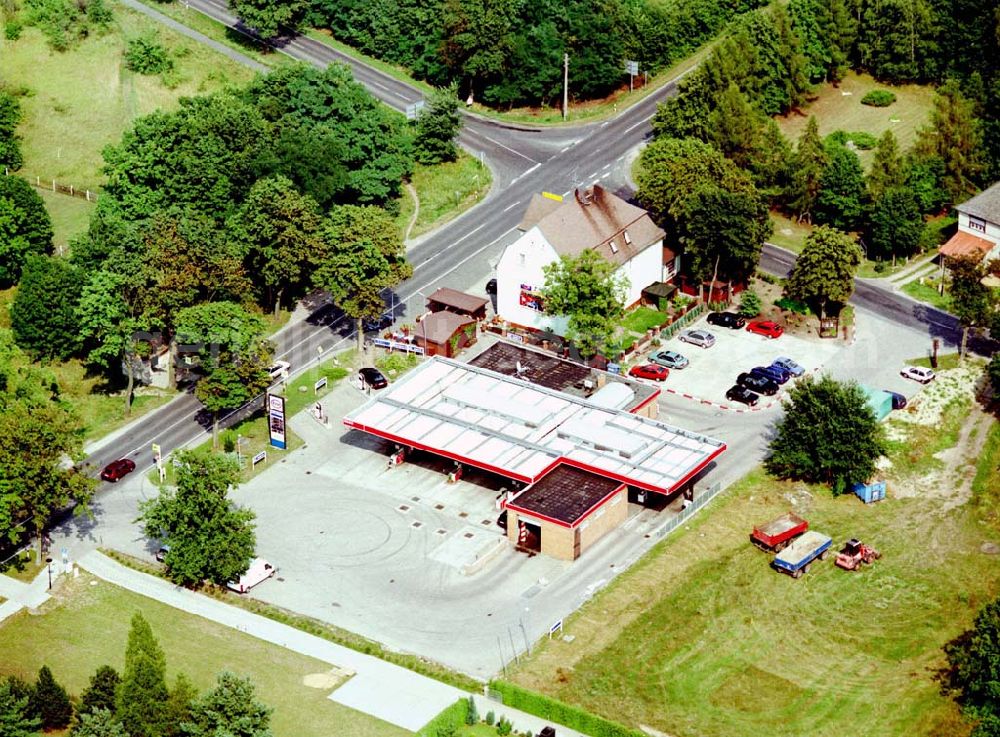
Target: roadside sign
413	109
262	456
557	627
319	384
157	458
631	67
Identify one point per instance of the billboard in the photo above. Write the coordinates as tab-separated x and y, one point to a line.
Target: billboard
276	420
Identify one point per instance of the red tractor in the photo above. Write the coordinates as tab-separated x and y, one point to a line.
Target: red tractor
854	553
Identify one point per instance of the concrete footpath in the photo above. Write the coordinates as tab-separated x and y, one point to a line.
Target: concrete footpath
380	689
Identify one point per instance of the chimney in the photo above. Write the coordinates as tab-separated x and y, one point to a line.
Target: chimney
585	197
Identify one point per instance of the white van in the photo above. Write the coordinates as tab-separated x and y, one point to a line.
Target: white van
258	571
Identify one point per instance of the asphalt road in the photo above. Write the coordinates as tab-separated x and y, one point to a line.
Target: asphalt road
524	161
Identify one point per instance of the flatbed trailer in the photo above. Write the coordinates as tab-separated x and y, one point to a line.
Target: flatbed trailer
778	533
797	557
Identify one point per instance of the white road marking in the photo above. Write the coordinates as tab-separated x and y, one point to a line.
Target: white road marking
513	151
511	207
524	174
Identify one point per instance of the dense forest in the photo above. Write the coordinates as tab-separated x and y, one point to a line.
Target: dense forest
510	52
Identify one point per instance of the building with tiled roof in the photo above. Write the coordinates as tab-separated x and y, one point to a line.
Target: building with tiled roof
978	227
591	219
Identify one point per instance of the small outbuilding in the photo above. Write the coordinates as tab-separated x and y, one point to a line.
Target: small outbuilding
565	512
871	491
880	401
445	333
461	303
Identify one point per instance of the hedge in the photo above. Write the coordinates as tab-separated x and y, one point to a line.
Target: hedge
452	716
567	715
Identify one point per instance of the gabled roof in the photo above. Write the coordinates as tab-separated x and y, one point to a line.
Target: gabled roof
985	205
460	301
538	208
595	219
965	244
438	327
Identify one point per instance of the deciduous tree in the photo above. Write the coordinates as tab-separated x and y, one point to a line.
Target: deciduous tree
210	538
971	300
823	274
974	659
438	127
231	380
269	17
10	142
585	289
841	189
363	256
25	227
895	224
828	435
43	314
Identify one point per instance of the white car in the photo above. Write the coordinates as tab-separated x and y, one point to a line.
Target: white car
701	338
259	570
917	373
279	370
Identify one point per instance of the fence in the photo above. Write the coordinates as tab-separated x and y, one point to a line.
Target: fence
54	186
672	524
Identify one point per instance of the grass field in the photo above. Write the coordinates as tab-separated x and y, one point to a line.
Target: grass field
836	110
81	100
703	638
70	216
445	191
986	483
86	626
925	289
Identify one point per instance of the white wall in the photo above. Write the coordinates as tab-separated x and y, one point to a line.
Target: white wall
992	234
642	270
521	263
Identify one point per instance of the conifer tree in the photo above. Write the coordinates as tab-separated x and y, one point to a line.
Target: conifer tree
142	695
50	701
810	162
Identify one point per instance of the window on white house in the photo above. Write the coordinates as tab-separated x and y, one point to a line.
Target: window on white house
614	247
977	224
523	259
628	239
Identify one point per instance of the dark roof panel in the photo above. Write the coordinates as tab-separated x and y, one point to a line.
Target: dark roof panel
565	493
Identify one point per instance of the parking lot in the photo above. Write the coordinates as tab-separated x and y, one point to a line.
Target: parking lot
713	370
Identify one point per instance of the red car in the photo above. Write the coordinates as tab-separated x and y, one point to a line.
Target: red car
766	328
650	371
117	470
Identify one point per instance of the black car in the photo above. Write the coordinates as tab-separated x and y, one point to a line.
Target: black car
742	395
757	383
380	323
373	378
898	400
491	287
727	320
775	373
502	520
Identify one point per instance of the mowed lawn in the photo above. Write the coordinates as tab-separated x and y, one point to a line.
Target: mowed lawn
80	100
839	108
70	216
703	638
87	626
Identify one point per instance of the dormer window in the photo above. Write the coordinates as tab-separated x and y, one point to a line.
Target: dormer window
628	239
977	224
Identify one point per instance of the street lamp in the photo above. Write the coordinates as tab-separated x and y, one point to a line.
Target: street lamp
48	562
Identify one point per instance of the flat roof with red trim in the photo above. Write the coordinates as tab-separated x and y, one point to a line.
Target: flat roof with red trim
565	495
521	430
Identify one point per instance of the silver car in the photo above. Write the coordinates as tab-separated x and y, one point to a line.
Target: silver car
670	359
701	338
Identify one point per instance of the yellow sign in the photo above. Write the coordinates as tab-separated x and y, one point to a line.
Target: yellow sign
556	197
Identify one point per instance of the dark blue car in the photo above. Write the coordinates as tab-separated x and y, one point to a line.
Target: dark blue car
774	373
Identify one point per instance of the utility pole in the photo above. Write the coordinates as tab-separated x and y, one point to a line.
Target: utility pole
565	85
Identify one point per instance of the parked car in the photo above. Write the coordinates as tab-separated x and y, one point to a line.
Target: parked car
259	570
788	365
373	378
766	328
117	470
701	338
650	371
279	370
742	395
161	554
898	400
775	373
378	324
491	287
502	519
670	359
918	373
727	320
758	383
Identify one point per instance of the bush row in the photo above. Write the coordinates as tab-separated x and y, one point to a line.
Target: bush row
559	712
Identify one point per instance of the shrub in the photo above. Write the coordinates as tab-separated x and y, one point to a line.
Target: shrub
878	98
490	717
504	727
550	709
146	55
471	714
792	305
448	721
229	441
993	371
863	141
12	29
750	303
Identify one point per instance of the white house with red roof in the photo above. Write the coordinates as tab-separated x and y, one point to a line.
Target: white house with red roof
978	227
592	219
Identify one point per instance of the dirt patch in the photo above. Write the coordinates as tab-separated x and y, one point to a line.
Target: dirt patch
327	681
